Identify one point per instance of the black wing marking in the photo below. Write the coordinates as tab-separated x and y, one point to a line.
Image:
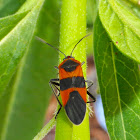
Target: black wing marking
75	108
67	83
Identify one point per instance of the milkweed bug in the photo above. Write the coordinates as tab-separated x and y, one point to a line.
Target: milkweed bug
71	87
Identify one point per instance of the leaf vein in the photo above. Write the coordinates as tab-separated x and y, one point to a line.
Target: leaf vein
131	135
129	85
113	59
130	109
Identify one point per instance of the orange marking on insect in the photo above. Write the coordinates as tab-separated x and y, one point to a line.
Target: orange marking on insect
65	94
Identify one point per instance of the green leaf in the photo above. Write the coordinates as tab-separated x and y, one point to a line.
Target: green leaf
92	8
13	45
135	2
122	25
8	23
17	116
8	7
119	83
23	104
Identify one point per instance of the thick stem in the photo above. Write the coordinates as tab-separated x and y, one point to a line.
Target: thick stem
72	29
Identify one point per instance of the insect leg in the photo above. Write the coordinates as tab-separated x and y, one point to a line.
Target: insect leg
53	82
56	67
90	82
82	63
58	111
91	97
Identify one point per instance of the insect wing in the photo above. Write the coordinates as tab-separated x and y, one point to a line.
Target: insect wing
75	108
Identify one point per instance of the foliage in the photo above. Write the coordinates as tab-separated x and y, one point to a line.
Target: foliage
117	54
25	66
119	86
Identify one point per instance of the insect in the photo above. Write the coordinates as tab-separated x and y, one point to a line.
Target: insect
71	86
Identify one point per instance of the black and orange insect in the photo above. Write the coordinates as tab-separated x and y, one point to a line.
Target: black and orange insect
71	87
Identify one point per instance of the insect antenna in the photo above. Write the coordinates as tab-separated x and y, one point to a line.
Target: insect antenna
41	40
79	42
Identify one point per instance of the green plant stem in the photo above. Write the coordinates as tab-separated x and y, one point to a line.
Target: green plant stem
45	130
72	29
